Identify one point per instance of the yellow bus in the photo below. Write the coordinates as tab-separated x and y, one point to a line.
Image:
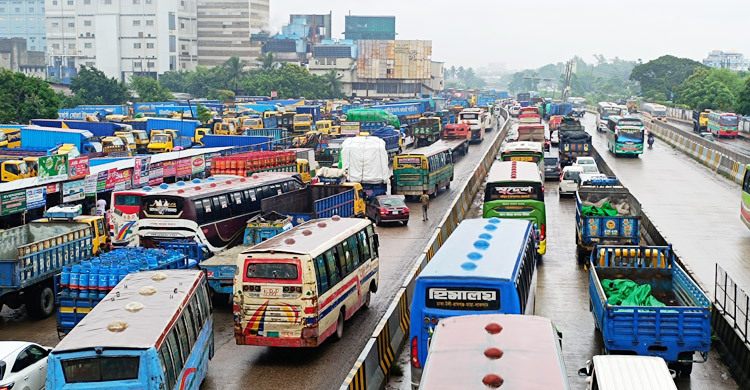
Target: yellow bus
298	288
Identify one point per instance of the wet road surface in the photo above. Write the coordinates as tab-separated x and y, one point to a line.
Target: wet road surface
739	145
325	367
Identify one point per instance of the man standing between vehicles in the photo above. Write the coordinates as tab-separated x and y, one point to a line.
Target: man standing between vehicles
425	200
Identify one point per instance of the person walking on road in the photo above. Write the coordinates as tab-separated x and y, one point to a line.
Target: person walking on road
425	200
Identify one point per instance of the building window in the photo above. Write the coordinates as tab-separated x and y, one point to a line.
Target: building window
137	45
70	2
149	64
107	1
138	65
182	25
172	44
136	23
90	63
54	2
171	21
136	1
55	46
55	24
31	9
86	2
18	10
149	45
87	23
149	22
71	24
72	46
87	45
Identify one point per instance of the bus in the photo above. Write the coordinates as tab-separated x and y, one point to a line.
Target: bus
723	124
525	151
154	330
422	170
475	118
625	136
515	190
604	110
297	288
531	353
125	207
745	202
654	112
215	214
486	266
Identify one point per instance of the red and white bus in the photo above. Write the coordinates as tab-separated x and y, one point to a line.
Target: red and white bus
298	288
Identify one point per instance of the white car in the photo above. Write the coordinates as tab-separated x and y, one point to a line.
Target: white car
554	137
515	110
585	160
23	365
570	180
512	135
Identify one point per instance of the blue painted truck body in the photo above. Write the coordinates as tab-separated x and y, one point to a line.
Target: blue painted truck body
391	138
36	138
98	129
673	332
311	202
257	142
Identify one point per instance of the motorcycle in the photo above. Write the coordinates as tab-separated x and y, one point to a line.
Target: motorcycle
651	142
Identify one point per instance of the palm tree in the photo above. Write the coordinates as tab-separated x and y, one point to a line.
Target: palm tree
235	69
267	61
452	73
460	73
333	81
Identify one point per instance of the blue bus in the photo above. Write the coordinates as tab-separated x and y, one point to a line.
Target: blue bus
487	266
154	330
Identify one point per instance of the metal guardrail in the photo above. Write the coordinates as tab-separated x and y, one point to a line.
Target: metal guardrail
732	302
687	116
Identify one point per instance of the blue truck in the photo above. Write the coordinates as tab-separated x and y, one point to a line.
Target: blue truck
186	127
221	268
252	142
30	256
392	139
311	202
631	322
37	138
606	214
272	122
98	129
312	110
279	136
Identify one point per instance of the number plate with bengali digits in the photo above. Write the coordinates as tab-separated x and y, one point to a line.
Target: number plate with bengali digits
522	158
271	291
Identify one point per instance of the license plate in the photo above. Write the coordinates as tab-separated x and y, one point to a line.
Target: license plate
271	291
394	212
272	334
522	158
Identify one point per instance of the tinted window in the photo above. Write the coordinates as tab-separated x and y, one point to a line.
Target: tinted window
199	213
321	275
100	369
166	365
182	337
272	271
174	348
334	275
127	200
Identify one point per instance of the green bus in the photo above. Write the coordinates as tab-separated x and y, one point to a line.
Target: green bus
515	190
745	202
525	151
625	136
423	170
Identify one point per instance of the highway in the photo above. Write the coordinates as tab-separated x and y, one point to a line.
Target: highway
740	144
562	291
237	367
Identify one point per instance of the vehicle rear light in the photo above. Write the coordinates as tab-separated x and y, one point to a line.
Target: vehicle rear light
298	289
414	353
7	386
427	320
286	289
434	321
543	231
383	211
406	209
308	333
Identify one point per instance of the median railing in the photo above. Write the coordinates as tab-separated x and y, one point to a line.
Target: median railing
373	366
731	322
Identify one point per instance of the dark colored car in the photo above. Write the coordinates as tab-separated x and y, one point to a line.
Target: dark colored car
387	208
551	167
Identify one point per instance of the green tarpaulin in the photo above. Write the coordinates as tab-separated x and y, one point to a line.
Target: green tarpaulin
605	211
625	292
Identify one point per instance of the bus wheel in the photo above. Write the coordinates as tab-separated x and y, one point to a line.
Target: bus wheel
339	326
368	297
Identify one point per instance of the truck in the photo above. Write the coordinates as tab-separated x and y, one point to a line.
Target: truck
370	119
30	255
247	164
185	127
40	139
163	142
606	213
313	111
302	123
311	202
574	141
531	132
365	161
98	129
262	142
700	120
426	131
672	322
392	139
457	137
523	99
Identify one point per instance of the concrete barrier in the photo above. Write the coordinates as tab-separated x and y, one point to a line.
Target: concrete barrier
373	366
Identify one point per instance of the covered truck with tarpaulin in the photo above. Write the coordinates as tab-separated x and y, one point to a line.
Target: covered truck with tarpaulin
365	161
369	119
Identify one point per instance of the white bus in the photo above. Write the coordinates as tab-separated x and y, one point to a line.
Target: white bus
654	112
604	110
475	118
298	288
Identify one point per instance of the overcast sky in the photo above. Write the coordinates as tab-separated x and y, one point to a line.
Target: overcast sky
528	34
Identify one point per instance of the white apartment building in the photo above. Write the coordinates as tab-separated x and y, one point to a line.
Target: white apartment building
123	37
224	29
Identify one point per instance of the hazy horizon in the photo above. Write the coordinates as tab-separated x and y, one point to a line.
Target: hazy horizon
560	30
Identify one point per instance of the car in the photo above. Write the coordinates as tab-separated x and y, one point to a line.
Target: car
707	135
585	160
570	180
387	208
512	135
515	110
23	365
554	137
551	167
547	144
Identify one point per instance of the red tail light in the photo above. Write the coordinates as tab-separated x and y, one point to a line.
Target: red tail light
406	209
383	211
414	353
543	231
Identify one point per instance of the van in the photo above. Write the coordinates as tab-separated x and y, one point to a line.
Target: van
627	372
570	179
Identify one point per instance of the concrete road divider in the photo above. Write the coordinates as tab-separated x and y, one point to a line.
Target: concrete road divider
374	364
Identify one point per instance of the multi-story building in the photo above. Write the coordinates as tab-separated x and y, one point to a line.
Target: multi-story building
320	26
224	29
121	37
15	56
726	59
370	27
24	19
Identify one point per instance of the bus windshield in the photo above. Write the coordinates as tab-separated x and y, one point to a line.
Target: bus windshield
630	136
264	270
606	112
659	112
100	369
469	116
729	120
513	191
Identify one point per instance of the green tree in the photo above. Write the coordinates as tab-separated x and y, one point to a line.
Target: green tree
235	70
70	101
150	90
173	80
267	61
94	87
742	105
710	88
333	83
204	114
662	75
24	98
205	82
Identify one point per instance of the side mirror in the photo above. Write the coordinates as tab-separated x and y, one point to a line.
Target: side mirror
585	371
377	240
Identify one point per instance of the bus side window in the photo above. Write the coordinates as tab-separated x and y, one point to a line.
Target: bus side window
200	318
203	301
182	337
321	275
354	248
167	365
253	198
266	192
208	210
347	254
238	208
371	237
334	275
190	320
746	181
364	245
199	213
285	186
174	348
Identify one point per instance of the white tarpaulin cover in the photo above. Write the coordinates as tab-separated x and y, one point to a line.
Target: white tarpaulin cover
366	160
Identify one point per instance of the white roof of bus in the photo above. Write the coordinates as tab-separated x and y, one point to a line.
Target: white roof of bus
621	372
524	171
457	357
523	146
312	237
148	190
145	327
